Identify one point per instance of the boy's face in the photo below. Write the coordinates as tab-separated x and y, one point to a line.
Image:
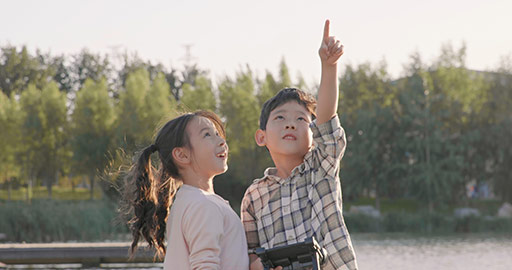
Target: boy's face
287	131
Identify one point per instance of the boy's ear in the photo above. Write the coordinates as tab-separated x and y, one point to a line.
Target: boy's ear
260	137
181	155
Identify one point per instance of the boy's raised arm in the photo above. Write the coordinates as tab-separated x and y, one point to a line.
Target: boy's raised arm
330	52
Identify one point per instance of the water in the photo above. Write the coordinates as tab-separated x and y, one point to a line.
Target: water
399	252
460	251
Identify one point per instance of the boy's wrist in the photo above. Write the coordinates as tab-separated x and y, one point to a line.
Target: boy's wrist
329	66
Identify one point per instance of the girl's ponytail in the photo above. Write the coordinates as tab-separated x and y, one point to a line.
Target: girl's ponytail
144	201
167	190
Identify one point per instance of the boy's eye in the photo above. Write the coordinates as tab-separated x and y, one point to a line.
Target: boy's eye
302	118
279	117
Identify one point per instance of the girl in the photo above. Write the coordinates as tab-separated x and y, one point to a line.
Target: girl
203	231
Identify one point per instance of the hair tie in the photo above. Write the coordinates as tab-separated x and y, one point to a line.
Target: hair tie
153	148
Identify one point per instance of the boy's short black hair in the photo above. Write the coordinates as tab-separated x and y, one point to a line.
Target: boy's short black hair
284	96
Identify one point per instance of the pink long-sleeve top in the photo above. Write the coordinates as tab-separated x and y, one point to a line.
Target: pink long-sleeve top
204	233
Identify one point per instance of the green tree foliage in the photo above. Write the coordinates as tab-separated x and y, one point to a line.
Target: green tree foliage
366	96
86	65
9	140
160	104
431	158
18	69
424	136
284	76
131	110
497	132
143	105
30	150
198	96
44	137
91	130
55	136
268	88
239	107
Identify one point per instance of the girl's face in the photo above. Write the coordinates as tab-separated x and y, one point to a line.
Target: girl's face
209	150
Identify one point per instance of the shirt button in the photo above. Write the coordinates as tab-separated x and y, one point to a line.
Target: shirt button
286	209
290	237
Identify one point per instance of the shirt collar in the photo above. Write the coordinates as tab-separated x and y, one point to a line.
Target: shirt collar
271	174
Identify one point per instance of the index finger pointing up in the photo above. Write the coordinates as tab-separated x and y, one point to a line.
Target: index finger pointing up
326	30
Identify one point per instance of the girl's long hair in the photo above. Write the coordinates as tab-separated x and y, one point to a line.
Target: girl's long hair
149	191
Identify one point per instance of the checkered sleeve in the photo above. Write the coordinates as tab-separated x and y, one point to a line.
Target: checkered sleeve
327	221
331	142
329	226
248	217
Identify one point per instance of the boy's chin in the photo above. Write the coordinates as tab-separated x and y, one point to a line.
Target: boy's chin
294	152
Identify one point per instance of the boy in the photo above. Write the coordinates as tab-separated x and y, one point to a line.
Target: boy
301	196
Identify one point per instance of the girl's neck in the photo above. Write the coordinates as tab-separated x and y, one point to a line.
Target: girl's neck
193	179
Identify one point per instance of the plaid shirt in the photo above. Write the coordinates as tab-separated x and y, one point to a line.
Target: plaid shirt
277	212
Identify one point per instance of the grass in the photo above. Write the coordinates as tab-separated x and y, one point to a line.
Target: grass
487	207
45	220
387	205
58	193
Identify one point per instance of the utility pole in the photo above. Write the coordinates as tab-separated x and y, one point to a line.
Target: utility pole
188	76
188	58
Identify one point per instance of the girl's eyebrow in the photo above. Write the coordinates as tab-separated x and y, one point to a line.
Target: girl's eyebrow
205	128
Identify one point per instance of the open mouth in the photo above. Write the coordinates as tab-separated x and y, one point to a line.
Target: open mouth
289	137
222	155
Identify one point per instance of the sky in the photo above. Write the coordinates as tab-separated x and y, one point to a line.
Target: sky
228	35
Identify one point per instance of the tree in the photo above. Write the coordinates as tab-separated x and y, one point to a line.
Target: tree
240	109
92	118
32	130
18	69
131	111
86	65
267	89
198	96
143	105
369	118
160	104
432	157
497	133
9	140
54	136
284	76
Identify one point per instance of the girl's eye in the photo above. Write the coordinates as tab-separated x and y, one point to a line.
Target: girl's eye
302	118
207	134
279	117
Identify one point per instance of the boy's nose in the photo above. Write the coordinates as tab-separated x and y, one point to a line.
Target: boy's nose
290	126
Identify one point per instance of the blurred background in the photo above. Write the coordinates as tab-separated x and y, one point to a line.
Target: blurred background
425	99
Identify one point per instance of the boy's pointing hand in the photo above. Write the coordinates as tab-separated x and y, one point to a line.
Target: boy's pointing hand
331	49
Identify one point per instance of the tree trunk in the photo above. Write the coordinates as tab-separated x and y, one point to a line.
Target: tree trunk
377	199
29	190
91	181
70	177
9	189
49	187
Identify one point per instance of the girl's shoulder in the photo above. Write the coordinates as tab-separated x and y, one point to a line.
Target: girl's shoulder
195	200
